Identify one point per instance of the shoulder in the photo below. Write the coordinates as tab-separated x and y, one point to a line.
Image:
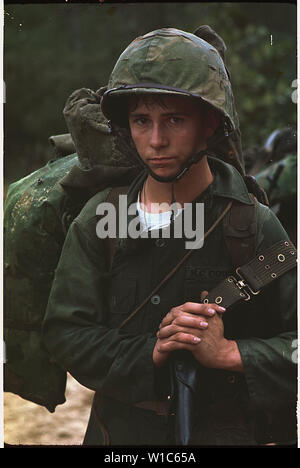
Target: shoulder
269	228
83	228
88	213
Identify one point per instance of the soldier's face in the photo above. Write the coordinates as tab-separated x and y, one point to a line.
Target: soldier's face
167	131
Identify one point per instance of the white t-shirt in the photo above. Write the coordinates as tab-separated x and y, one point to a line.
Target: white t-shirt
150	221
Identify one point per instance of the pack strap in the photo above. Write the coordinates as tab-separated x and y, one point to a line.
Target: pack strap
113	197
240	231
249	279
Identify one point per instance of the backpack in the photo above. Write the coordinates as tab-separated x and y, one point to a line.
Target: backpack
38	211
34	231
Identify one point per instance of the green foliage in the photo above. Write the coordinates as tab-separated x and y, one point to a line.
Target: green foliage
52	49
263	68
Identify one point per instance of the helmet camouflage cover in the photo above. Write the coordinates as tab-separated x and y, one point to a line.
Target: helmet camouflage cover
175	62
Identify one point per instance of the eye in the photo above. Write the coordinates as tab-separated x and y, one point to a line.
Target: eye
140	121
174	120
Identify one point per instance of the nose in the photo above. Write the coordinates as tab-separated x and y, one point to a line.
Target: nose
159	138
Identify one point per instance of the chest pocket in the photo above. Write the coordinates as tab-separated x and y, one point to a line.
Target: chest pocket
123	293
199	278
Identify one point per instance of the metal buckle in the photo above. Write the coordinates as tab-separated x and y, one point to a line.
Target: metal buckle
243	286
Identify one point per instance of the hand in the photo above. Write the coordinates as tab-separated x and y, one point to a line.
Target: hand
213	343
215	351
182	328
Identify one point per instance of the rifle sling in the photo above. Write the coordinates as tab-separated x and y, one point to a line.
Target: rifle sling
249	279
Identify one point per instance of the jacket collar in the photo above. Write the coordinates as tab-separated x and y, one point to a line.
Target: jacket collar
228	182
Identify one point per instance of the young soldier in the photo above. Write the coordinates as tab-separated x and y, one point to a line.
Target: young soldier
170	96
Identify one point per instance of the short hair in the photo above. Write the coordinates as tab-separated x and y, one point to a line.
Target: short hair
120	105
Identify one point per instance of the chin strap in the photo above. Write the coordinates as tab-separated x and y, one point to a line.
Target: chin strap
173	201
193	160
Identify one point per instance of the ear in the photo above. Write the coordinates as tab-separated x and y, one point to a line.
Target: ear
212	121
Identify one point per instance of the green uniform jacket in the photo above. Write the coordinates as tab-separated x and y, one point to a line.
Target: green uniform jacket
87	305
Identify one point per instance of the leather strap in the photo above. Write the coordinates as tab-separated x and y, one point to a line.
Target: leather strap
113	197
271	264
249	279
240	231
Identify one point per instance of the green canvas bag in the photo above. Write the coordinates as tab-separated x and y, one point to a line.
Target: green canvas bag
37	213
34	233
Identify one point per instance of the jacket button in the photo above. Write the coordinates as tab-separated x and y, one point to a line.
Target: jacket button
160	242
231	379
155	299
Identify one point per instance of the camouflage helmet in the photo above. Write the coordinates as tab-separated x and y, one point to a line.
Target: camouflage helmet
171	61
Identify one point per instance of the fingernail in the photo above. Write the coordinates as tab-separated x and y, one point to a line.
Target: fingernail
203	324
221	308
211	311
196	339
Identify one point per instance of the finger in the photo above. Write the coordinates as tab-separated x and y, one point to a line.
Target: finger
183	337
191	308
179	341
171	330
204	309
203	295
191	321
174	314
170	316
167	320
186	320
171	346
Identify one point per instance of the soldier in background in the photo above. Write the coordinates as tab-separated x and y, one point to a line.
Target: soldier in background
274	165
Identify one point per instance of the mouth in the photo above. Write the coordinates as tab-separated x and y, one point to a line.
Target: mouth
161	160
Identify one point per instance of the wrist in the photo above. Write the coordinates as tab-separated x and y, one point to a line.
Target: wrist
159	359
229	357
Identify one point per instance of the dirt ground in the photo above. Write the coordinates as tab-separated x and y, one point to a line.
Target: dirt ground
26	423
